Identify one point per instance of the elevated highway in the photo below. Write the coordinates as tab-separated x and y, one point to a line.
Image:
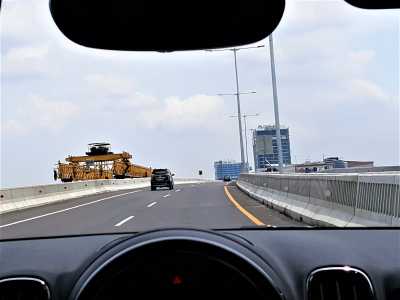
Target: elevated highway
262	200
204	204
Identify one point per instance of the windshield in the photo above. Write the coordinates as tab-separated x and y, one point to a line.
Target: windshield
160	171
82	129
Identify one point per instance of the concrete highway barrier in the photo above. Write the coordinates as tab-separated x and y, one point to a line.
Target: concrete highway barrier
386	169
329	199
14	199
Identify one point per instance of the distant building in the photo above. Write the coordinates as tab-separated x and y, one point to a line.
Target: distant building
359	164
312	167
227	168
265	147
335	162
327	164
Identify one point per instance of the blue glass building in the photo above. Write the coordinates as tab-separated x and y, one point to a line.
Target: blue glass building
229	168
265	148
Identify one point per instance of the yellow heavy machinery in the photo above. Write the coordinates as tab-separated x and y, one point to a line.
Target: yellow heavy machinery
99	163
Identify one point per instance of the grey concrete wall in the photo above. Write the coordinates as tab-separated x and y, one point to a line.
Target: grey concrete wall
329	199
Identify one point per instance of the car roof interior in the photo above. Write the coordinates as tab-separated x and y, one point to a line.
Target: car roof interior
165	26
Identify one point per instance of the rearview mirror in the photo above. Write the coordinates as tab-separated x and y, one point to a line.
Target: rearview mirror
375	4
169	25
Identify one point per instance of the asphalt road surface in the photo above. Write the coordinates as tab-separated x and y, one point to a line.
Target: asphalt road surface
201	205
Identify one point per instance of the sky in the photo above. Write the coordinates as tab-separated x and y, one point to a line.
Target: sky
338	87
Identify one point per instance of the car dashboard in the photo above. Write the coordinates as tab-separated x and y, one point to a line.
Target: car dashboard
190	263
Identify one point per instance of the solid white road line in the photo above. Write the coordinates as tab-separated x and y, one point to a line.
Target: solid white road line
67	209
151	204
124	220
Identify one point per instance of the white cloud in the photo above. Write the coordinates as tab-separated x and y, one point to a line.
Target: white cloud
316	14
14	127
363	57
368	89
25	61
16	19
38	113
147	111
50	114
110	84
24	21
199	111
301	15
138	100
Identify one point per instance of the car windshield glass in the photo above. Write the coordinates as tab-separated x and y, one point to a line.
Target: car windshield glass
160	172
300	129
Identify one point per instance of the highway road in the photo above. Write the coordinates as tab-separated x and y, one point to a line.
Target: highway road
201	205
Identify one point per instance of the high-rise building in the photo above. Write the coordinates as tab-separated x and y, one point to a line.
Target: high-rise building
265	147
227	168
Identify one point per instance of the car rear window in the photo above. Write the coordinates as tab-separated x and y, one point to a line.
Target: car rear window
160	171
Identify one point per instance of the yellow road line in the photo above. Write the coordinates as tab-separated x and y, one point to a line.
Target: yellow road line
242	210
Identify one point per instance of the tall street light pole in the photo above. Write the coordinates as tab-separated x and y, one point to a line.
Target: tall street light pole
243	168
276	108
245	134
245	116
253	145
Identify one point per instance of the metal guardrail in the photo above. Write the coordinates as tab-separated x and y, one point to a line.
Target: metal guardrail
363	170
360	197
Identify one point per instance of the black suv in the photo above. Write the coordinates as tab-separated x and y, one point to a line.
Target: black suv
162	178
227	178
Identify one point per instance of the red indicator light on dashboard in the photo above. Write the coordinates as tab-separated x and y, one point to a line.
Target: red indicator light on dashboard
177	280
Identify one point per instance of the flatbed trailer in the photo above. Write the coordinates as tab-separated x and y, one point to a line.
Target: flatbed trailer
99	163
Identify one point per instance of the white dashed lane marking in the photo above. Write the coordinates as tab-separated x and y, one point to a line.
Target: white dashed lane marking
124	220
151	204
68	209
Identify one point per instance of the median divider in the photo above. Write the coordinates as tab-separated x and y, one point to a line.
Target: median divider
329	199
14	199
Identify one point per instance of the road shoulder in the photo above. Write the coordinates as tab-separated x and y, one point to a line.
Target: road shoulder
262	213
